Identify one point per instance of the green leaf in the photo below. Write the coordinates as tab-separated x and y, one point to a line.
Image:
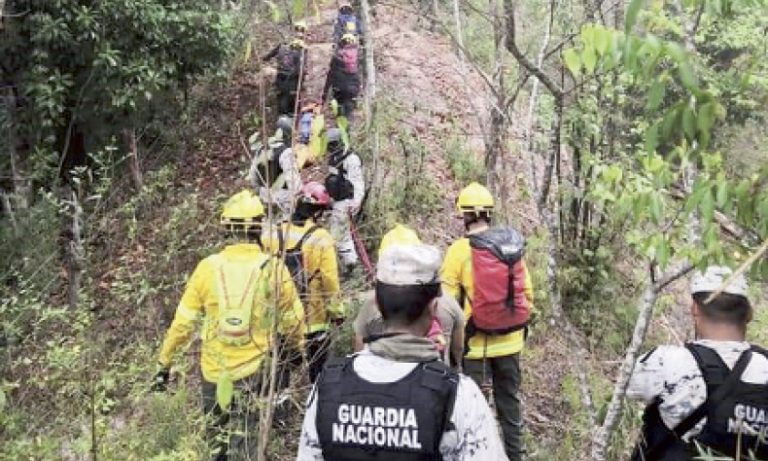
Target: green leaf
656	94
687	77
657	208
298	9
334	107
225	389
662	252
652	138
589	58
722	193
689	122
632	11
572	61
602	38
707	206
706	117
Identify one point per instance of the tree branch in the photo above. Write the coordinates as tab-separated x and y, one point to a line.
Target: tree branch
511	44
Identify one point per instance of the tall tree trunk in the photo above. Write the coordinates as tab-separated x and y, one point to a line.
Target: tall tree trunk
73	244
459	33
495	150
129	135
22	187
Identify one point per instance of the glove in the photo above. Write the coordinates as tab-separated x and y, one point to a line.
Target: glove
160	381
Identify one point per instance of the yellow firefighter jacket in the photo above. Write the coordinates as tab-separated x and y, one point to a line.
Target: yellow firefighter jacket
275	295
322	301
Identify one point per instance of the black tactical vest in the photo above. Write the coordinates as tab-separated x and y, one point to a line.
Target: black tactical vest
400	421
738	414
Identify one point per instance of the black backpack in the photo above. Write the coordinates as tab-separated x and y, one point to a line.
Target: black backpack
269	171
337	184
288	61
731	404
294	260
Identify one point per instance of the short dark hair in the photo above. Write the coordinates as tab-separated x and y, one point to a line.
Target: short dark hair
404	304
726	307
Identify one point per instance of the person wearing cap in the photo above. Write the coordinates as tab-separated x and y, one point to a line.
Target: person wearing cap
395	399
448	325
346	184
711	392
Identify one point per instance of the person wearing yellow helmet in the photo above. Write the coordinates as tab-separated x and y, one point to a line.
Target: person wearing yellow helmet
228	297
343	81
485	272
291	61
347	22
448	335
300	28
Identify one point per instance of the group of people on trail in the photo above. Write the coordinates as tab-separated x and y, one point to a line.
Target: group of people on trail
343	81
436	338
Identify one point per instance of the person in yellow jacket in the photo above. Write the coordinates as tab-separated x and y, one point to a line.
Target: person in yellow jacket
309	251
494	358
237	297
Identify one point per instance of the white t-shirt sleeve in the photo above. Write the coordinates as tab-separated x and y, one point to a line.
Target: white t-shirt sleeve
309	442
476	436
354	173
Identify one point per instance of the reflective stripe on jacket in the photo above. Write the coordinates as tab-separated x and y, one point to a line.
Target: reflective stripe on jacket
323	301
456	274
200	303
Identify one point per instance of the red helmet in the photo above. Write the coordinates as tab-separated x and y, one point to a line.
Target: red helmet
315	193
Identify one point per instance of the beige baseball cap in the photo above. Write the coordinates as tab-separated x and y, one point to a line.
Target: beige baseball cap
413	264
713	278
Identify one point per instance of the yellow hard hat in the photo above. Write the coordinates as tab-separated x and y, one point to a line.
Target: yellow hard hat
398	235
298	43
475	198
300	26
242	209
349	38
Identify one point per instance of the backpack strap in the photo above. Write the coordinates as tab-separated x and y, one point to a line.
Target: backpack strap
305	237
707	363
439	377
720	392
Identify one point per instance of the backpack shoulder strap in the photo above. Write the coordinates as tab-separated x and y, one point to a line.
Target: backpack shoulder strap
441	378
717	395
305	237
705	361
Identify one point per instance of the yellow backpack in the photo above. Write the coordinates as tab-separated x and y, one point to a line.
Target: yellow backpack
240	285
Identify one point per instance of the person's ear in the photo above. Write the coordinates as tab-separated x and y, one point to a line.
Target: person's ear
695	309
433	308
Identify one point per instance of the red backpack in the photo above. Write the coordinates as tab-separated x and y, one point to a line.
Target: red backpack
499	304
349	58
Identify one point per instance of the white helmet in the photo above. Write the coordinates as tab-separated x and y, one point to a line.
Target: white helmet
712	280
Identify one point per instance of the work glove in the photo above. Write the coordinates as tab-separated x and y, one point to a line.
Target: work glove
160	381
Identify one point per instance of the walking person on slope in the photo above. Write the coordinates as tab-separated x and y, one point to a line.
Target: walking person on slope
274	172
228	296
344	75
346	185
291	62
447	330
347	22
309	253
486	273
395	400
712	392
